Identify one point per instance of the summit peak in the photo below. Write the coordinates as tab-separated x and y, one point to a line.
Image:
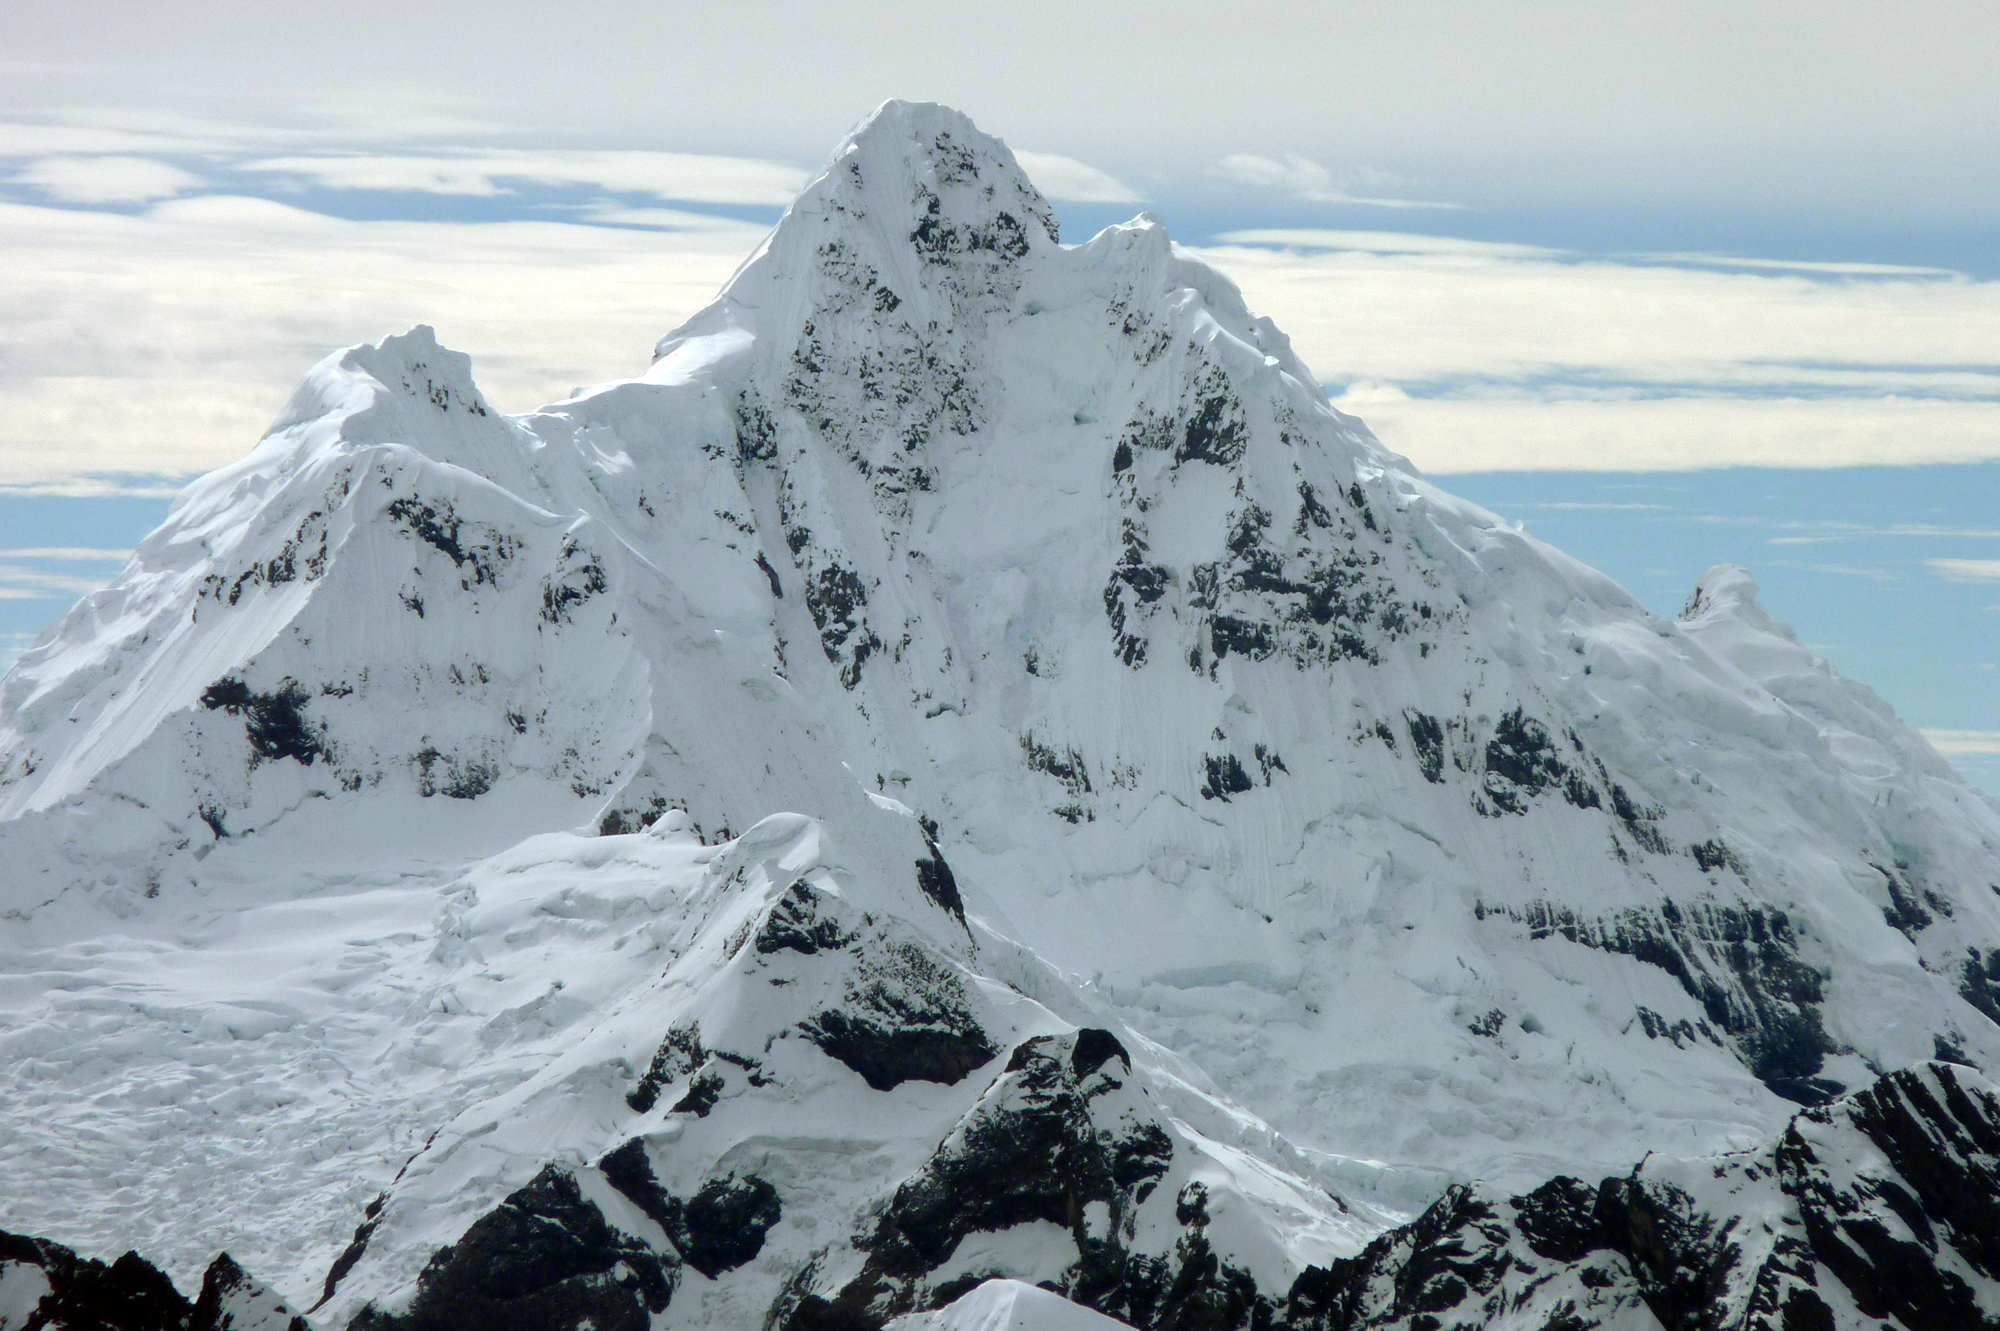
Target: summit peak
916	202
929	166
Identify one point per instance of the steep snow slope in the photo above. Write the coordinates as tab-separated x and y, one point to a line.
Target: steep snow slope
1143	692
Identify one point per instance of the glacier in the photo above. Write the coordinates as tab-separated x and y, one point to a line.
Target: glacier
963	795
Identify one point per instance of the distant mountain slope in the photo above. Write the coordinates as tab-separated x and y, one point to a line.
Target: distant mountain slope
427	841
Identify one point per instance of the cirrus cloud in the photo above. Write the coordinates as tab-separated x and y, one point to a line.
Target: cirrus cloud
107	179
1965	570
1062	177
687	177
1463	354
1305	179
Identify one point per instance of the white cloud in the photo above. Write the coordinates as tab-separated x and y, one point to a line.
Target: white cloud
1409	312
68	552
1965	570
1592	506
1954	743
1464	355
107	179
1385	242
1472	356
162	344
18	583
386	116
688	177
1305	179
27	138
1549	432
1841	571
610	213
91	487
1797	265
1062	177
1847	531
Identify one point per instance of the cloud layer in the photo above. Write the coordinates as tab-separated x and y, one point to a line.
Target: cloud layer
155	311
1471	355
106	179
683	177
1966	570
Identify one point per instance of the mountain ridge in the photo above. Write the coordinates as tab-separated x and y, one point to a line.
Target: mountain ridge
1142	692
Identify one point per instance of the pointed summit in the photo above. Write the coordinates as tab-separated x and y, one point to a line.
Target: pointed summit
926	174
917	215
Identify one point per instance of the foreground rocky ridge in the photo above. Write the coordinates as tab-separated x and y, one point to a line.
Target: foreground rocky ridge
1213	843
1883	1207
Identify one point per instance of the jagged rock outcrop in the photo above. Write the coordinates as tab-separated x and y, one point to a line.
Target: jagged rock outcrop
47	1287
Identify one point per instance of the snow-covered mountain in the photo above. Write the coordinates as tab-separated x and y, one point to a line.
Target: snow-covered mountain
965	770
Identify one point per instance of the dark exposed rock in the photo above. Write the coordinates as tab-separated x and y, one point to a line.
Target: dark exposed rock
1979	981
275	722
763	564
917	1043
679	1054
231	1300
1135	585
1057	1132
718	1229
756	432
1713	854
1223	776
1680	1033
357	1247
1639	820
543	1260
1214	431
1906	1207
838	599
579	577
701	1095
455	776
935	877
723	1225
1427	739
795	924
478	552
904	1017
1521	761
130	1294
1066	765
1741	963
1939	1130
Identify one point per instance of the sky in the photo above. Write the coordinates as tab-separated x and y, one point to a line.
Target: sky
1670	284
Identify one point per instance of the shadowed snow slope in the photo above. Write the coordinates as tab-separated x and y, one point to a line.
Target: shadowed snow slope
1181	840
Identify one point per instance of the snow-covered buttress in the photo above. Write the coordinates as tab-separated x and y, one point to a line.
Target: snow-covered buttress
966	768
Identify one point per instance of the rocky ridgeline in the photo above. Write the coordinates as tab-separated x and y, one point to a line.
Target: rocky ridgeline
1882	1207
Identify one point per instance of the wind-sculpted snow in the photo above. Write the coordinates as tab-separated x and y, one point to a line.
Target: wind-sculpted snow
639	860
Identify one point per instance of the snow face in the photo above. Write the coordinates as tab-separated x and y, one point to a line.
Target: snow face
1007	1305
693	798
